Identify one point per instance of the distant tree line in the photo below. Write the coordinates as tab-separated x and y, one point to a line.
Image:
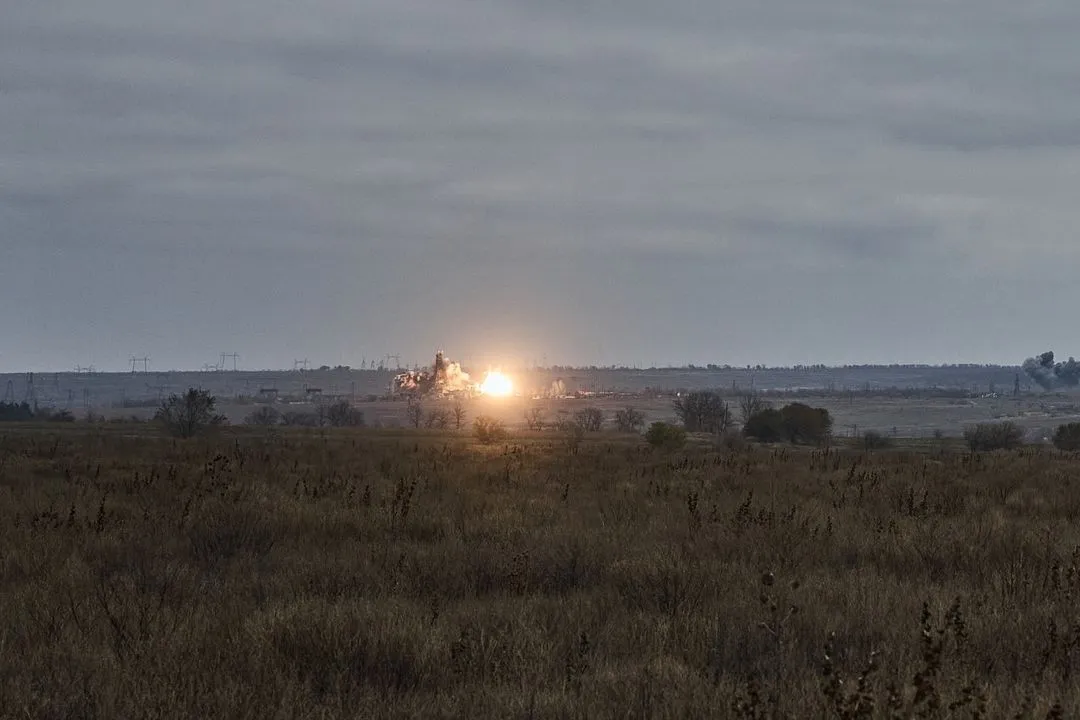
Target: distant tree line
24	412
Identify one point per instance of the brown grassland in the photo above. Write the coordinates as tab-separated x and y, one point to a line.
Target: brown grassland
340	574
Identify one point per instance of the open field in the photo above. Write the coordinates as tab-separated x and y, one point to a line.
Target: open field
395	573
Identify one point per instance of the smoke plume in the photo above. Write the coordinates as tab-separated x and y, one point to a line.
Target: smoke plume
444	378
1050	375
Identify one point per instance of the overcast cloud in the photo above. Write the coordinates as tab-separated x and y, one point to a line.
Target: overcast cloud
594	182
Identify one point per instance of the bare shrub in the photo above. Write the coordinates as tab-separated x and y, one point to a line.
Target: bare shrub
572	433
629	420
264	417
534	418
1067	437
342	414
437	420
666	436
488	430
750	404
994	436
295	418
703	411
459	414
874	440
590	419
414	414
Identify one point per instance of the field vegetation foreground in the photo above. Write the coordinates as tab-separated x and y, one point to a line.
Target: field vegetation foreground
358	573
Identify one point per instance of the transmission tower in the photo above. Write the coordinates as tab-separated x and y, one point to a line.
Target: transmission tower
145	363
31	391
300	364
235	356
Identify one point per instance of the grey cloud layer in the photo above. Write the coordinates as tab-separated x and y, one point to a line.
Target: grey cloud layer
484	143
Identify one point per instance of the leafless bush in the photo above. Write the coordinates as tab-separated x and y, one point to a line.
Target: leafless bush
590	419
342	414
414	414
460	415
264	417
703	412
750	404
994	436
295	418
534	418
488	430
629	420
437	420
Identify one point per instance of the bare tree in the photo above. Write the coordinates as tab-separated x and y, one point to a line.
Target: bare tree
414	414
189	414
590	419
703	411
437	420
629	420
750	404
534	418
342	414
458	411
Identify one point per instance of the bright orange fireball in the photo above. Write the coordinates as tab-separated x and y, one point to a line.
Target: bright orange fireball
497	385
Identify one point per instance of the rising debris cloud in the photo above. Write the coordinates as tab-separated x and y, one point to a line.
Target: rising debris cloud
1050	375
444	378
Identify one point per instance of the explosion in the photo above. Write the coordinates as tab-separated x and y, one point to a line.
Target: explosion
447	378
496	385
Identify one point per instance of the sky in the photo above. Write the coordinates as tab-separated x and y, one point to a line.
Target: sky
514	181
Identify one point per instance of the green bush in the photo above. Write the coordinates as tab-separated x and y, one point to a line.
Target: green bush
665	436
765	425
1067	437
994	436
803	423
794	423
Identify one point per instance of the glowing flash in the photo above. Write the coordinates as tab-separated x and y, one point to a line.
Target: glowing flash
496	385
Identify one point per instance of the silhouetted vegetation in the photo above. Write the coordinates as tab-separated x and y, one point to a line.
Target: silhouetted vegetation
666	436
874	440
265	417
17	412
794	423
590	419
1067	437
994	436
342	414
703	411
189	414
488	430
629	420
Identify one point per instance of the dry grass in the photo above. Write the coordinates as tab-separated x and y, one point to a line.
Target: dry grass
371	574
